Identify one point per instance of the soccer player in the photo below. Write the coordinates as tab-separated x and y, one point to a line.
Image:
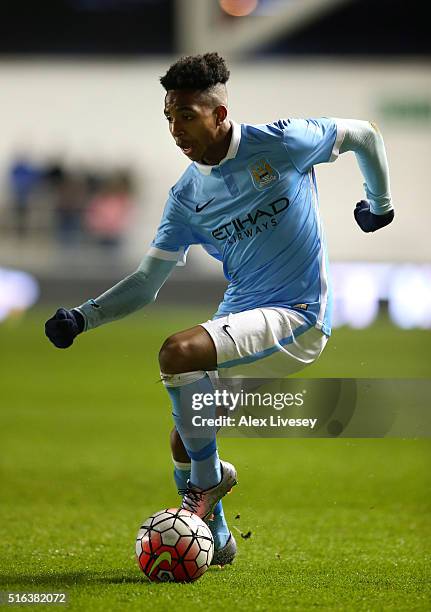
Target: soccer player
249	197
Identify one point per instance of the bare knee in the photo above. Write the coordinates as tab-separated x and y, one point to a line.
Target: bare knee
188	351
174	355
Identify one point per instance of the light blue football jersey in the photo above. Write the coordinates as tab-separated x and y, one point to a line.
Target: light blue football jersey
257	212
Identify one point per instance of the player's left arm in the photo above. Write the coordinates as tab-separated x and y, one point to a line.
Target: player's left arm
365	140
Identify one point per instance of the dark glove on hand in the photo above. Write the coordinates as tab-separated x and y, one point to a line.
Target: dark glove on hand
368	221
64	326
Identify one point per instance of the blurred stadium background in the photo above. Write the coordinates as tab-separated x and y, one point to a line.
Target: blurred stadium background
86	159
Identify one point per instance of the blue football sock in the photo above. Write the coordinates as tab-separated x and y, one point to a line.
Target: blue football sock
219	528
199	442
181	475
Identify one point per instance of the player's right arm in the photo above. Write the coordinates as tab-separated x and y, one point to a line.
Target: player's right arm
127	296
168	249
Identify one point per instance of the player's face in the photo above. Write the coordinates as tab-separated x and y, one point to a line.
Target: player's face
193	124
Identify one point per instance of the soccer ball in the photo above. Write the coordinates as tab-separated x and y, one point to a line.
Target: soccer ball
174	545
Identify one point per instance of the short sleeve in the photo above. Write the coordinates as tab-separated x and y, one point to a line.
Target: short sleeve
174	235
311	141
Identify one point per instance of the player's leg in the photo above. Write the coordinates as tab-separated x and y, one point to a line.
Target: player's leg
182	471
184	359
188	351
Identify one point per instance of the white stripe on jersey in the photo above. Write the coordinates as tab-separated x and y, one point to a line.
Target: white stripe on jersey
341	132
322	258
178	256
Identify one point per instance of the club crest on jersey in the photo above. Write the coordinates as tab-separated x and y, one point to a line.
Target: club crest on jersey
263	174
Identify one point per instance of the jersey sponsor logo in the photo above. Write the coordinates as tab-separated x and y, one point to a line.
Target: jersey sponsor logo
253	223
199	208
263	174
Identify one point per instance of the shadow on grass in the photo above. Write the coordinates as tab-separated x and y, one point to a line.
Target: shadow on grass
68	579
64	580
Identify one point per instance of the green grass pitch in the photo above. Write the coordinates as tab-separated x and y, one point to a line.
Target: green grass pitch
336	524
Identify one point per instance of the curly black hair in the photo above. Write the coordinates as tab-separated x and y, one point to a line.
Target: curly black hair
196	72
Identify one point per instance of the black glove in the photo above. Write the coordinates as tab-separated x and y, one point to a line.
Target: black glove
368	221
64	326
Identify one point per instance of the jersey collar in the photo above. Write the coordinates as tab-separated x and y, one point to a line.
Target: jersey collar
231	153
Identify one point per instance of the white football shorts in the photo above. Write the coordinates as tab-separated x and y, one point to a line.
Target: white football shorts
264	343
